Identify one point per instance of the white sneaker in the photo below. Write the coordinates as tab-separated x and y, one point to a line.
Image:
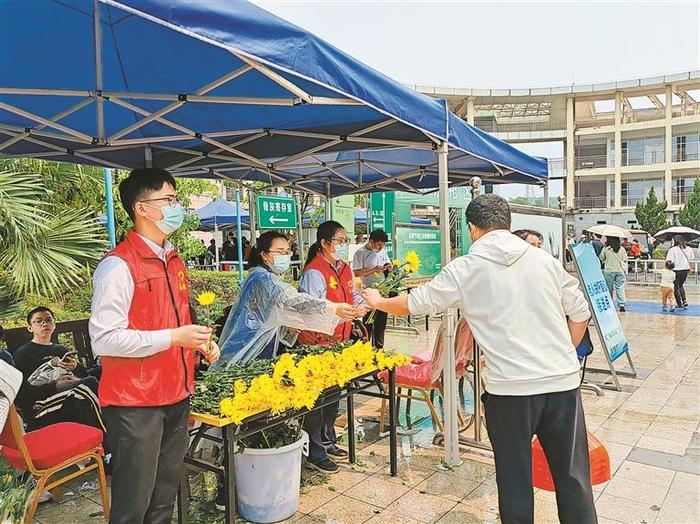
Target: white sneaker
45	497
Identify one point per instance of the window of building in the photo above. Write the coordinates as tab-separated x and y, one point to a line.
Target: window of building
641	151
636	191
686	147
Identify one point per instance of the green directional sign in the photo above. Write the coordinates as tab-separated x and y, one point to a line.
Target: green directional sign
277	212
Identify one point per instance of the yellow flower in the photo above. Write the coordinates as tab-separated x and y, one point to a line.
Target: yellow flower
333	283
396	262
413	261
206	298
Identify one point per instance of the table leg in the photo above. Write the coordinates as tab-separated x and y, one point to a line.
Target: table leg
351	429
229	475
392	424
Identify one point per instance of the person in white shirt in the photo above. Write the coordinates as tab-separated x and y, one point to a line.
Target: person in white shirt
516	299
370	264
142	330
681	256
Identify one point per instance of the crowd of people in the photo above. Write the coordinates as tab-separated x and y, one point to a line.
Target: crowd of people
149	346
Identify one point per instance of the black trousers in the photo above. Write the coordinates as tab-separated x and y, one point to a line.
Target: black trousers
678	289
557	420
377	328
148	446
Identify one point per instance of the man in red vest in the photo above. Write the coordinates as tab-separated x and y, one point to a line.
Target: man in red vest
143	333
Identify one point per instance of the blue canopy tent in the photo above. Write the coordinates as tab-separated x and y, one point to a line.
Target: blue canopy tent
221	213
197	86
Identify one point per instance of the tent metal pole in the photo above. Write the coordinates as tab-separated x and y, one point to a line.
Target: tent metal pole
74	135
98	69
329	207
448	321
239	235
179	103
111	231
253	214
148	156
300	231
55	118
216	244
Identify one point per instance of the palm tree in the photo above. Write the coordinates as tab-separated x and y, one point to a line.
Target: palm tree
46	247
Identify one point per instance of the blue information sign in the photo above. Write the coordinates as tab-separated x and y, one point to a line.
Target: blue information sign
602	305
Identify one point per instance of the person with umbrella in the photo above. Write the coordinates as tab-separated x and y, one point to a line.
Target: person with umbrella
681	256
614	259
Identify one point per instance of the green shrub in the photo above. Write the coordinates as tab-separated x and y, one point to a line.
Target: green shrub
223	283
659	253
75	305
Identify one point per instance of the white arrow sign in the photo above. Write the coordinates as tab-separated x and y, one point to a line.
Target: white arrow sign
274	220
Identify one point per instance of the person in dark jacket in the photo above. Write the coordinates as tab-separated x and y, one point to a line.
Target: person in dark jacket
64	391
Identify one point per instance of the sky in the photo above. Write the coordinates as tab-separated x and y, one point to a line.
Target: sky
516	44
507	44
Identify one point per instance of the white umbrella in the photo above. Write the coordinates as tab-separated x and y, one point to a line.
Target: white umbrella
688	233
609	230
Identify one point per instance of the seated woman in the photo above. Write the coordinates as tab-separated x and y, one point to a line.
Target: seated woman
55	387
270	311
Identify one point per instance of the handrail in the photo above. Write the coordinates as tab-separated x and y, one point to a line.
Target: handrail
642	272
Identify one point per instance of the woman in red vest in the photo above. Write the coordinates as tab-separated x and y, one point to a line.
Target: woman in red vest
327	275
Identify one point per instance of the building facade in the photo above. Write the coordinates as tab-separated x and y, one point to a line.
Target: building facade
619	139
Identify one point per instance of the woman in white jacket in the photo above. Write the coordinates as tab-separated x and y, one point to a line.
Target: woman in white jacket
681	256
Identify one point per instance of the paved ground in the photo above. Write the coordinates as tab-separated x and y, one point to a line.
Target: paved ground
651	430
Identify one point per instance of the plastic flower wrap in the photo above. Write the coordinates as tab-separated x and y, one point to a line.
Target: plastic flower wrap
395	280
297	382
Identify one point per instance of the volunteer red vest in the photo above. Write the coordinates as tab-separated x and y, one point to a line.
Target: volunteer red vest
339	289
161	301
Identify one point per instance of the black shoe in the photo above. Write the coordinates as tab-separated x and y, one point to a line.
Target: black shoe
622	308
685	306
325	465
220	500
336	451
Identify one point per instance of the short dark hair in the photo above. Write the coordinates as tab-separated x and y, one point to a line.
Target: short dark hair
670	264
140	183
524	233
489	211
39	309
379	235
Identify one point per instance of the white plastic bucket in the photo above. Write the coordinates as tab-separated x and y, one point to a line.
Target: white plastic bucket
268	481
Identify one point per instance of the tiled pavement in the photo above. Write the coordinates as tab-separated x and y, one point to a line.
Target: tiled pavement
651	430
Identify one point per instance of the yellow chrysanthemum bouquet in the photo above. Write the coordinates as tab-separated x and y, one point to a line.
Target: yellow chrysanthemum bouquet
395	280
293	381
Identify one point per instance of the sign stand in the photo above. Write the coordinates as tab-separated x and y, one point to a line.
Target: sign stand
607	323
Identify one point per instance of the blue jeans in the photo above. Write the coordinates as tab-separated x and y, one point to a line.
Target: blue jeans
320	425
616	282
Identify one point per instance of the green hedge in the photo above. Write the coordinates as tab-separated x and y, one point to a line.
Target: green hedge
224	283
659	253
75	305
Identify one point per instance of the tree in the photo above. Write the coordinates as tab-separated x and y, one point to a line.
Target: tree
651	215
45	248
689	215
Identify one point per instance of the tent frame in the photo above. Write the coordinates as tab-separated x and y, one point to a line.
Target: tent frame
228	157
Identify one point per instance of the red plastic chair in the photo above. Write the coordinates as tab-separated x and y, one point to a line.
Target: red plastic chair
424	375
597	455
50	450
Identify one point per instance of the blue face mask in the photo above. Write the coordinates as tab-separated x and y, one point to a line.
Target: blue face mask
172	218
281	263
341	252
